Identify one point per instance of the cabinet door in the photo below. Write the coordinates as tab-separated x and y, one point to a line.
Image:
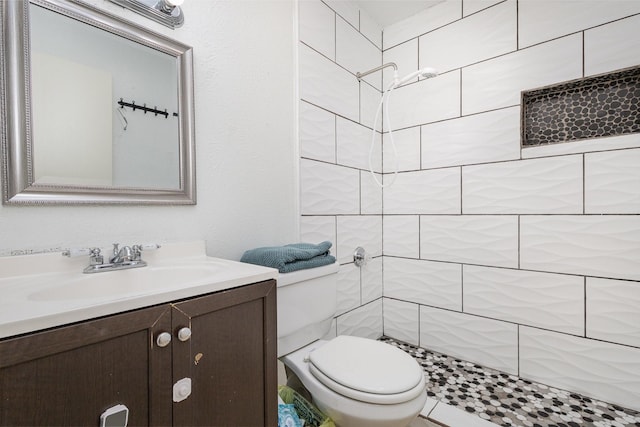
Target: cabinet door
70	375
231	358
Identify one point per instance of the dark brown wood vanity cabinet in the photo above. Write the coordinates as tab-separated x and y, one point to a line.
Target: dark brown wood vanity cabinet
68	376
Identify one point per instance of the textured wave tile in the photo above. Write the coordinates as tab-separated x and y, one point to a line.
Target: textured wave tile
598	369
332	333
369	101
407	142
353	144
316	229
485	341
425	102
365	321
328	189
356	53
485	240
612	46
371	280
371	203
469	7
370	29
401	235
401	320
551	185
484	35
497	83
317	27
541	21
424	192
613	311
431	283
348	293
347	10
326	84
354	231
551	301
317	133
429	19
405	56
481	138
603	246
612	182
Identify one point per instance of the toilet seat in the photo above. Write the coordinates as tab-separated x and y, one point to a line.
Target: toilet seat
367	370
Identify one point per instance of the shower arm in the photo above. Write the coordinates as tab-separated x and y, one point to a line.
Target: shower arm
359	75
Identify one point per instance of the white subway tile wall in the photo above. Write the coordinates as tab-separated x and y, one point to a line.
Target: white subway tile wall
401	237
437	284
401	320
612	46
405	56
357	53
477	339
434	191
362	230
407	150
612	310
317	133
364	321
524	260
612	182
497	83
474	239
594	368
478	37
545	300
481	138
544	186
339	200
539	21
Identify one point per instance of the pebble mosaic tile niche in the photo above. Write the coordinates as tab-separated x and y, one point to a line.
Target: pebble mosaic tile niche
593	107
508	400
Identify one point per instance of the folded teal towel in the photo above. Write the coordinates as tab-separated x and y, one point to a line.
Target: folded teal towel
288	258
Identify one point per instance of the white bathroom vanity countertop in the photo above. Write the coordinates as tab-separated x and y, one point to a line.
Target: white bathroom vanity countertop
48	290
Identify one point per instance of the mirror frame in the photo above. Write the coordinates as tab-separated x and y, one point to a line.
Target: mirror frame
18	185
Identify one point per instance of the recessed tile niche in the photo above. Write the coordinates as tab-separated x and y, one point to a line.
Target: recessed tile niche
593	107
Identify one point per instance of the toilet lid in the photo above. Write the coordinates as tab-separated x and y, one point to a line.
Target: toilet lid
358	367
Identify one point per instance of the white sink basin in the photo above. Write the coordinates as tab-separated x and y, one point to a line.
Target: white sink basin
126	283
48	290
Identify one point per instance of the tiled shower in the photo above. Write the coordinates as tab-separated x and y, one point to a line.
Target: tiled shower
526	260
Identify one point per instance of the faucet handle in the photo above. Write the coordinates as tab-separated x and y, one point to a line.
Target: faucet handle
116	248
96	257
137	249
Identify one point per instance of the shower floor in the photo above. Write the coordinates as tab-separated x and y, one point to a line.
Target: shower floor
507	400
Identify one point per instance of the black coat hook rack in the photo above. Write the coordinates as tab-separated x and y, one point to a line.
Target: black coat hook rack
144	108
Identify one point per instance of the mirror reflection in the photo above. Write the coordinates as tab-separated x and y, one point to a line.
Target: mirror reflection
99	110
82	135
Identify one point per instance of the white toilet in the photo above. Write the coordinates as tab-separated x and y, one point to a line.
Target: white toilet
356	381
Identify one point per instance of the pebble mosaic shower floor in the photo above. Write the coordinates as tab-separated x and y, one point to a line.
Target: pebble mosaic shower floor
508	400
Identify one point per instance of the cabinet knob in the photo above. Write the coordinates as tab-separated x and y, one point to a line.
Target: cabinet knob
163	339
184	334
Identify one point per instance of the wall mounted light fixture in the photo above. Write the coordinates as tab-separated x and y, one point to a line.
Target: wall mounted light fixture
166	12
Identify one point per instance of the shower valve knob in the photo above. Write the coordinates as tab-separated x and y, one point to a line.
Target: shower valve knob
360	257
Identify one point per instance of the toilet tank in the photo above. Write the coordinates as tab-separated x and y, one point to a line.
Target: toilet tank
306	306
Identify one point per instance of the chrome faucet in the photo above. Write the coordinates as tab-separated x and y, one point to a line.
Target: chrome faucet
123	257
123	254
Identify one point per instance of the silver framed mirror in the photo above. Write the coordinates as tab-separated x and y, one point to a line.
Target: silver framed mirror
105	116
